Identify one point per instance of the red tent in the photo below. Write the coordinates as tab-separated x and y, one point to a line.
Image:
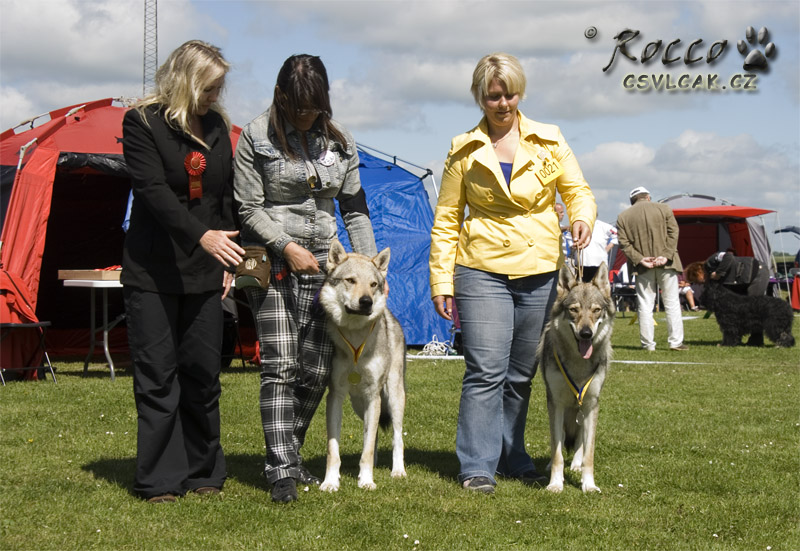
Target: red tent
63	194
708	225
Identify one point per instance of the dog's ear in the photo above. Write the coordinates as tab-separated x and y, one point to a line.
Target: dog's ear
381	261
336	254
601	280
566	279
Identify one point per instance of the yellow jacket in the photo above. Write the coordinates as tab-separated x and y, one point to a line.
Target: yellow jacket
510	230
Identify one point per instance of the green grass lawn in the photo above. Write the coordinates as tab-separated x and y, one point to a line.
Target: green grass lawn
695	450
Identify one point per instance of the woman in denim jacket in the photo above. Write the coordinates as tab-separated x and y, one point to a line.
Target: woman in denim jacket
291	162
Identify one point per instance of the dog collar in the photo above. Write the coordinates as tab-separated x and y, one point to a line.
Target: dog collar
578	392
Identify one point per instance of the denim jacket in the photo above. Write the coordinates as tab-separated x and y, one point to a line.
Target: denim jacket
277	204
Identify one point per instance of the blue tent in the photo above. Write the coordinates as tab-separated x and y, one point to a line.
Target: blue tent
402	218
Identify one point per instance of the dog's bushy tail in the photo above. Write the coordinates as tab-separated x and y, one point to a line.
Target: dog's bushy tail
385	420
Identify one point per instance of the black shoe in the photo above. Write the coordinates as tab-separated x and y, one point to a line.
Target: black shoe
284	490
482	484
534	478
305	477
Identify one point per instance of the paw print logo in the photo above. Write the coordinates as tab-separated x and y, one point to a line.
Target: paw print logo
755	60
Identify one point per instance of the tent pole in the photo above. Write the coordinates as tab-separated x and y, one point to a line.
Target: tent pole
22	151
428	171
775	264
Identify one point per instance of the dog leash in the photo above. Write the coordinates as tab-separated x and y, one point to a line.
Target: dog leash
578	392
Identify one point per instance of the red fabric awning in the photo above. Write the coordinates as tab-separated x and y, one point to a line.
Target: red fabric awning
720	211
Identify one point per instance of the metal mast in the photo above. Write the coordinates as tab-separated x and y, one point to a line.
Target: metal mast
150	45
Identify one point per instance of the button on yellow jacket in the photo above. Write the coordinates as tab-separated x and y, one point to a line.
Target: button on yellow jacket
508	231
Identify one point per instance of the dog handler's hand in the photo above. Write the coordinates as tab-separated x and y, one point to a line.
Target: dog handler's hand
581	234
227	281
300	259
444	306
218	244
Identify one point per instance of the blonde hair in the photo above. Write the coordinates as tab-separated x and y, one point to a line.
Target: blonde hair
181	80
501	66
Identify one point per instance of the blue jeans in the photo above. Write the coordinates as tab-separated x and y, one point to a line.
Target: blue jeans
501	322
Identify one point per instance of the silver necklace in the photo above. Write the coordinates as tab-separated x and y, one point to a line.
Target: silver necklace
495	144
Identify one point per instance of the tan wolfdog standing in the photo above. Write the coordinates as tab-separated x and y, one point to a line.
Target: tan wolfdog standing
369	362
574	355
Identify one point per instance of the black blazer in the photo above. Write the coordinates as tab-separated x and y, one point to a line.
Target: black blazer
162	247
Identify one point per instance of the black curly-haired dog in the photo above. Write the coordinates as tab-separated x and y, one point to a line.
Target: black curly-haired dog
739	315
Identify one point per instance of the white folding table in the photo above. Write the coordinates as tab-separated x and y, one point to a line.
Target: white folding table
93	285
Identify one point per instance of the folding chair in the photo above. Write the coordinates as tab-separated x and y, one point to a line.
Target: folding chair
41	327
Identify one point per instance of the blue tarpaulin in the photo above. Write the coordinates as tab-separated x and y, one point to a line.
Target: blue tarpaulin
402	218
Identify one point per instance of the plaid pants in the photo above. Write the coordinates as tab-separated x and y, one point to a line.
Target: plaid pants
295	362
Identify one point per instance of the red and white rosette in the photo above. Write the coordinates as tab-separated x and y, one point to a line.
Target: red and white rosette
195	165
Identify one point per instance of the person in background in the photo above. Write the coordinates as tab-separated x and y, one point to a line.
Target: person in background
604	237
500	264
182	224
741	274
292	161
694	275
685	290
648	235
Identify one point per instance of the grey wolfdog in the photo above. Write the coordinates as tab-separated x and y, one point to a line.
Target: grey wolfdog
574	354
369	362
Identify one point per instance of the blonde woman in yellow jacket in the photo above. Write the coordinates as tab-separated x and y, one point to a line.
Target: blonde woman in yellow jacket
500	264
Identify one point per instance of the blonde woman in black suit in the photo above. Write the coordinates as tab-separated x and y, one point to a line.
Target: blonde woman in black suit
178	152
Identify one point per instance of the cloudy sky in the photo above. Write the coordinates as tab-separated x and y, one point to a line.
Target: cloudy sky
401	71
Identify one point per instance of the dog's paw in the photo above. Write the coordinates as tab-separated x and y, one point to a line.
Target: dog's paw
329	486
576	468
590	488
400	473
367	485
555	488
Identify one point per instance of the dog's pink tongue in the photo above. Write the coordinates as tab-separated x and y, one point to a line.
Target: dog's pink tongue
585	348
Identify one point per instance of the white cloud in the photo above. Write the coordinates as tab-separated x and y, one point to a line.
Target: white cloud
735	168
60	52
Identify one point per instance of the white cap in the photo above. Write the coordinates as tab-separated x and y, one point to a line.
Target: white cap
638	190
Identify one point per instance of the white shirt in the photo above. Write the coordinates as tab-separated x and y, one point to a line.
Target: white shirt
602	234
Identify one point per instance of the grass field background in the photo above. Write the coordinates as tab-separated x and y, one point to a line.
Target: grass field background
695	450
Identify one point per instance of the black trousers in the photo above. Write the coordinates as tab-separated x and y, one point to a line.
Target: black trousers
175	343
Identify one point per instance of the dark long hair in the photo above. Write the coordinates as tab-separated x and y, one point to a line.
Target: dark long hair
302	82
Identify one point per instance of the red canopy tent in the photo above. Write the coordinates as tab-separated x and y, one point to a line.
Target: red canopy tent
63	194
708	225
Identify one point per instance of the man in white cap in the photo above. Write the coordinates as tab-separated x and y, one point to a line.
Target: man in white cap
648	235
